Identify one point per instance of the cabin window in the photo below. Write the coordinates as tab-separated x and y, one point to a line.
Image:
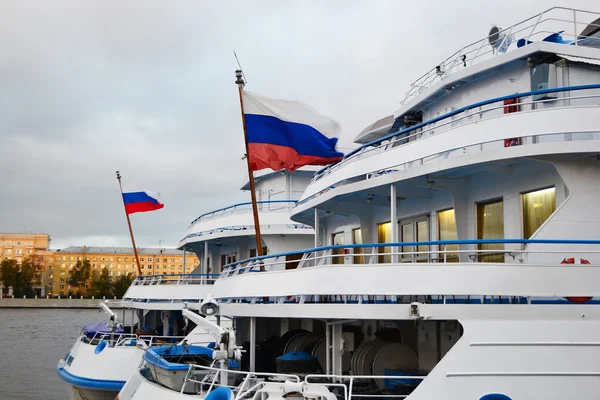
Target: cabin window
415	230
537	208
358	252
384	235
490	225
336	240
447	231
253	252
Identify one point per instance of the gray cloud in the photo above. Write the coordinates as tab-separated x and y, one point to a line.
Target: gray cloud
87	88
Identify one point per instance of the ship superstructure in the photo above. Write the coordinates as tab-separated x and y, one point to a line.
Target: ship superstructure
457	248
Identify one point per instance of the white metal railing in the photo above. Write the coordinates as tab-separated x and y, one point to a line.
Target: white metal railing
569	20
246	208
214	377
252	382
175	279
348	388
411	252
127	339
239	228
470	115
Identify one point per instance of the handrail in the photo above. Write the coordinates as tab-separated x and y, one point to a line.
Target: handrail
237	228
407	244
449	115
242	204
528	28
184	279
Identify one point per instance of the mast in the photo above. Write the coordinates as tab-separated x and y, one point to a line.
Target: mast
259	248
137	259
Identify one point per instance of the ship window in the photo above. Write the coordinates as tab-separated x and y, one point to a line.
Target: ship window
410	230
447	231
337	239
384	235
357	239
490	225
537	208
253	252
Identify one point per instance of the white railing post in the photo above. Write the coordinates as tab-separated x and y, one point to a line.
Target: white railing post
445	253
394	222
575	26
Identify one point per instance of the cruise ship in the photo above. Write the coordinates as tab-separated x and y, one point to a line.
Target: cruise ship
107	352
457	248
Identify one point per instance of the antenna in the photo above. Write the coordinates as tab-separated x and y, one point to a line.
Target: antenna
240	67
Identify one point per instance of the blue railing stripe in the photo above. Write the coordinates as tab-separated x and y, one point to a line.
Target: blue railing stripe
405	244
244	204
145	277
458	111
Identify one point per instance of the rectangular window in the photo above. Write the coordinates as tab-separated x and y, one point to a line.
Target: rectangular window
337	239
358	252
490	225
537	208
384	235
415	230
447	231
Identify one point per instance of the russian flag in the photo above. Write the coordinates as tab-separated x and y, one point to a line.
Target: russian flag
286	134
141	202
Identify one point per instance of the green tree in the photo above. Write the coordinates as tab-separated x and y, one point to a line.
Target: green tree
22	277
9	269
121	284
29	276
100	284
80	276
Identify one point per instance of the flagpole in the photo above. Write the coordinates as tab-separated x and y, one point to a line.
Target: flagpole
137	259
259	248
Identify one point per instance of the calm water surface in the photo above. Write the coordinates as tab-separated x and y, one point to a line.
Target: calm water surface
31	343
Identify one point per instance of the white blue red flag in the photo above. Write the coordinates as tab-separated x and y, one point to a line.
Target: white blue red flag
141	201
287	134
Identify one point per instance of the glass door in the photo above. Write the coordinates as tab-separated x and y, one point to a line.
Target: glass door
415	230
490	225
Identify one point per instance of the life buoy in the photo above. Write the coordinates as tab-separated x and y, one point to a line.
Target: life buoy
576	299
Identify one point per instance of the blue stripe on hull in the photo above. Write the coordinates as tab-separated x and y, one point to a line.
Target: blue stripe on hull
89	383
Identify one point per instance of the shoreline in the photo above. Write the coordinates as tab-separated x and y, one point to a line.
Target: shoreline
44	303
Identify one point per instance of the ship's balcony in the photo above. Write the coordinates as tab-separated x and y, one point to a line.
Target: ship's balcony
516	271
563	25
495	129
238	220
169	291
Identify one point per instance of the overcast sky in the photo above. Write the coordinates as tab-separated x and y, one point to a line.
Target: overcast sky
146	87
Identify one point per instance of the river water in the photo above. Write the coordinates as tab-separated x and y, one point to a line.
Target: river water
31	343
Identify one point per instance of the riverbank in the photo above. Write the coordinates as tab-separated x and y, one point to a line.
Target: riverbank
54	303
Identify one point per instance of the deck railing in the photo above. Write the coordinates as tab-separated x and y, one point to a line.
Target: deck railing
568	21
473	113
241	228
243	208
251	382
175	279
439	251
128	339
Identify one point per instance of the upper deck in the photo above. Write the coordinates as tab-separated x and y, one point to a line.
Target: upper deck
237	220
457	114
578	28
